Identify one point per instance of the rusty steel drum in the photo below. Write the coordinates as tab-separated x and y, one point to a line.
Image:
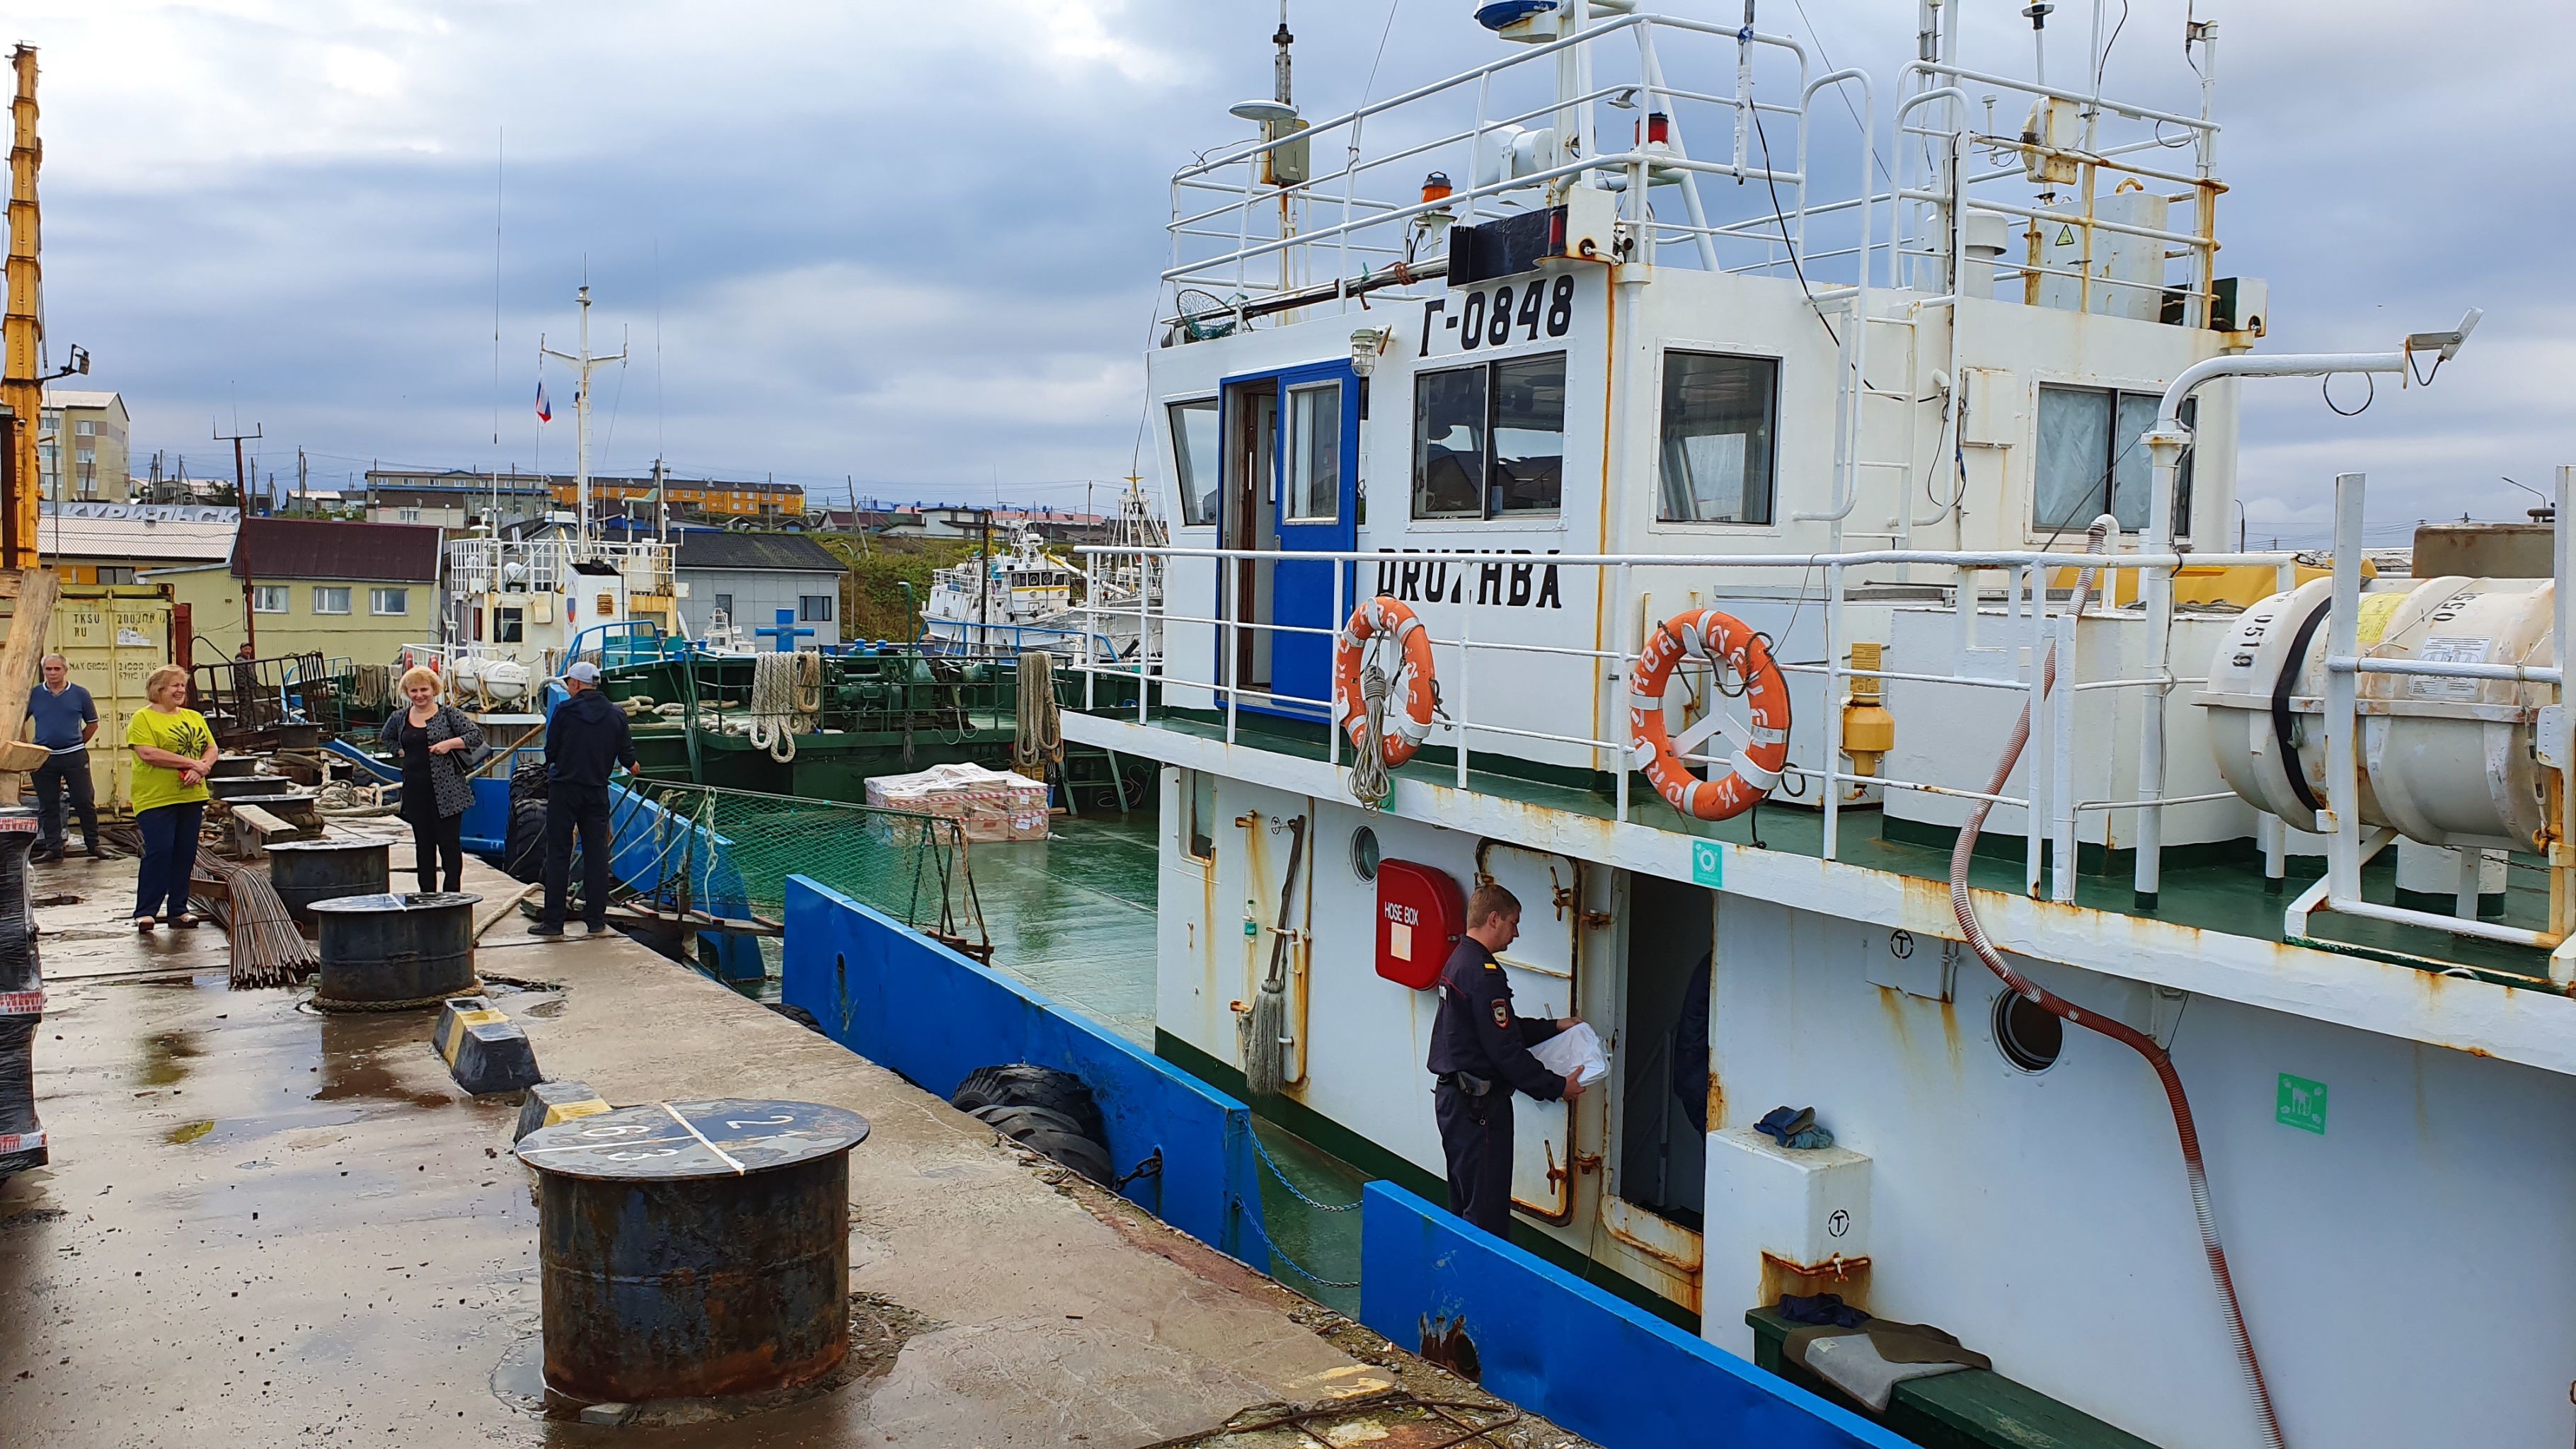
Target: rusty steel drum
382	952
305	871
694	1249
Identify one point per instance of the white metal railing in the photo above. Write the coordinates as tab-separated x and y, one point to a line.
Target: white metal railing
544	565
2021	611
1260	224
2020	615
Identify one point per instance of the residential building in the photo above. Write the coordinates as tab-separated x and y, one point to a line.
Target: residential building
959	520
394	493
341	589
709	497
751	576
455	498
81	447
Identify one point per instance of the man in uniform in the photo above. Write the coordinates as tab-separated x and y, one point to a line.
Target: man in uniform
1480	1055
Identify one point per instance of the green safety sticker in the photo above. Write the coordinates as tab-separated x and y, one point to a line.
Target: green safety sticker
2302	1104
1708	864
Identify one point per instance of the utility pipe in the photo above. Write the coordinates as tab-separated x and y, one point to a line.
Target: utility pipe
2165	443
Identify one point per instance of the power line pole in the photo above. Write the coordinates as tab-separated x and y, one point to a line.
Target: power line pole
241	484
584	363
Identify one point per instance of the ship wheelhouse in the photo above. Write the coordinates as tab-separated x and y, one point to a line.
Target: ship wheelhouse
1583	340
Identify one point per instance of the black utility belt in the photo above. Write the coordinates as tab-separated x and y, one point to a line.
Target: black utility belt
1467	1082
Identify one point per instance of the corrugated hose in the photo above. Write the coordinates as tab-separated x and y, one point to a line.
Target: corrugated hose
2119	1031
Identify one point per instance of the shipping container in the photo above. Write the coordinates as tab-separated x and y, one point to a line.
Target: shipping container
113	636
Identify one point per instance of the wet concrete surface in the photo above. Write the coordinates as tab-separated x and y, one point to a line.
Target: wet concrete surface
266	1225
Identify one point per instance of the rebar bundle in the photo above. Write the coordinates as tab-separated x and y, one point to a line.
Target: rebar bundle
267	949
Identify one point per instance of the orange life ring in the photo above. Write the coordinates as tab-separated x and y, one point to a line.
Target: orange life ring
1724	640
1383	617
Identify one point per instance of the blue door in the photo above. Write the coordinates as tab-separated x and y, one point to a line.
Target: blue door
1299	494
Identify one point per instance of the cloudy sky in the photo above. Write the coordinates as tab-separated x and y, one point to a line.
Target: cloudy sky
914	244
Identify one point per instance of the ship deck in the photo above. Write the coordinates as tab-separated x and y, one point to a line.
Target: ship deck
264	1224
2227	894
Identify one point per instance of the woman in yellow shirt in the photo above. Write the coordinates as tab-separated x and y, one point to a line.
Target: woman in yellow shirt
173	751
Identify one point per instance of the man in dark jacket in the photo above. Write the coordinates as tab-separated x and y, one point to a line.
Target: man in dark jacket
1480	1054
585	738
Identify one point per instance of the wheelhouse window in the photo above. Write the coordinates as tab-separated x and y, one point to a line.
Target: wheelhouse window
1315	453
1195	458
1717	440
2090	461
509	626
1489	439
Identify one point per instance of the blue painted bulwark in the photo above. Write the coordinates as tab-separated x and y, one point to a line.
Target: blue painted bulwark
910	1004
1570	1352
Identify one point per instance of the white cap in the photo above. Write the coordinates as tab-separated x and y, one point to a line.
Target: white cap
583	670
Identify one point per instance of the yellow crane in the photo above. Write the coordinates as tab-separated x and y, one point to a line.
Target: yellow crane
32	589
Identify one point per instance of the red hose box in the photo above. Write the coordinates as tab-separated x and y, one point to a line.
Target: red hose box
1420	916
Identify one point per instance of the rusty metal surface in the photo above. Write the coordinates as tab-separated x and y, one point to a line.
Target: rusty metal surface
305	871
694	1249
383	949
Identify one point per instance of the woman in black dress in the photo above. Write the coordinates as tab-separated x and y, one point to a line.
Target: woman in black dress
434	741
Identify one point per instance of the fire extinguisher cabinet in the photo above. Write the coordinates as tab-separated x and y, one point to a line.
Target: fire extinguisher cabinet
1420	916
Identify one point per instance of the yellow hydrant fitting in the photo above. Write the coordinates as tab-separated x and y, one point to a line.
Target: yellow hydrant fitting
1869	731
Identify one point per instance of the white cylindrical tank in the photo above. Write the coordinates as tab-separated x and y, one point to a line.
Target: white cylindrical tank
465	676
2443	761
505	680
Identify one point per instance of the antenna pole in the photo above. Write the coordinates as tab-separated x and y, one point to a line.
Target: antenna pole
241	485
1282	39
585	364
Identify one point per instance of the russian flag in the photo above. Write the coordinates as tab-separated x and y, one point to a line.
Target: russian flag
545	409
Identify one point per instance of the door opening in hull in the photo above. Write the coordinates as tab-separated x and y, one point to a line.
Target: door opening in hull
1662	1150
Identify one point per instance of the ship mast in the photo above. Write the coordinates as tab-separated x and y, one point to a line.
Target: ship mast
585	364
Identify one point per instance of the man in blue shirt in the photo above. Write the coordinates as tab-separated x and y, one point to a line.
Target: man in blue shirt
63	718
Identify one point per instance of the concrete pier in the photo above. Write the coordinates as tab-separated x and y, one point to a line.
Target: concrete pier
266	1225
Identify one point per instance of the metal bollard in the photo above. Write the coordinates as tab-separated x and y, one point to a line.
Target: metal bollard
691	1249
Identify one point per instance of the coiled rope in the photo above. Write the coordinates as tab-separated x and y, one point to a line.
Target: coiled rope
2120	1031
786	699
1037	749
1371	782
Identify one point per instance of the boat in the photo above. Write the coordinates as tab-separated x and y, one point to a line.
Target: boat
1032	598
1741	445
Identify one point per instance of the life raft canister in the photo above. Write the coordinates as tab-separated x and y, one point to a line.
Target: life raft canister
1724	640
1381	618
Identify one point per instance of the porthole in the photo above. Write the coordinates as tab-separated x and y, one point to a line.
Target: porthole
1364	853
2028	1036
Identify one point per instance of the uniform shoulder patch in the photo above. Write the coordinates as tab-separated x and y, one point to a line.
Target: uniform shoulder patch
1503	1014
1492	964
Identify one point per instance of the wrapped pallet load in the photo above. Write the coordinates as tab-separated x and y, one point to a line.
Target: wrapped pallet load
991	805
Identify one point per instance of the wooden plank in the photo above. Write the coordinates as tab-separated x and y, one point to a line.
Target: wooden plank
29	618
259	820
